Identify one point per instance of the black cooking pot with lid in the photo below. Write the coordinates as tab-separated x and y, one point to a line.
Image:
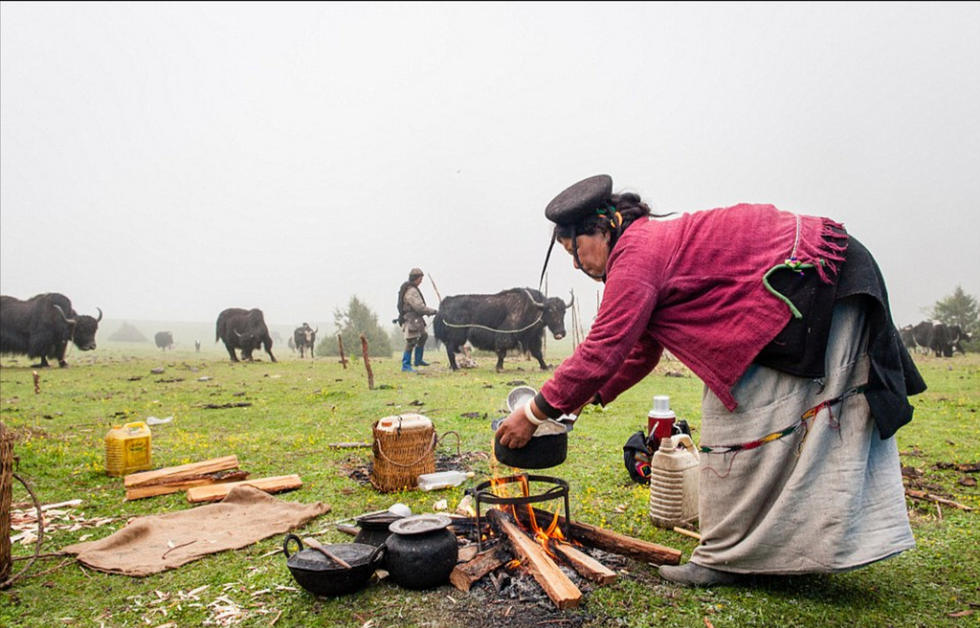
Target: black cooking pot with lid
374	528
421	551
547	448
320	573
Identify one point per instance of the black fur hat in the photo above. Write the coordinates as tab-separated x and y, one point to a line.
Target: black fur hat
580	200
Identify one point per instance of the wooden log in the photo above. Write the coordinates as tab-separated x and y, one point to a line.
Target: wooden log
180	473
935	498
216	492
611	541
465	574
340	343
586	566
367	362
555	583
176	486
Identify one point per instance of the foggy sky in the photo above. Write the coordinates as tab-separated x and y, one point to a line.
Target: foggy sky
166	161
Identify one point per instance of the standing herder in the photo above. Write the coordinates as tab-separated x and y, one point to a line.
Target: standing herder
411	309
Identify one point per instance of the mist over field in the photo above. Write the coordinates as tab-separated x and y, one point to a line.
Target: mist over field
166	161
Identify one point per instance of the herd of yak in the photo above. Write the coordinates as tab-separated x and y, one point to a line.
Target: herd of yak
42	326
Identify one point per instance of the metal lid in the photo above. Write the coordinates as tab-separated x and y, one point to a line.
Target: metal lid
310	559
420	524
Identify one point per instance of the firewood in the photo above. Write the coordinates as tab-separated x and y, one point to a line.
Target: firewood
686	532
935	498
176	486
215	492
586	566
611	541
467	553
465	574
191	471
555	583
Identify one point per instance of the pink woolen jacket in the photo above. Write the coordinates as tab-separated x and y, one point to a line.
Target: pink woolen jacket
694	285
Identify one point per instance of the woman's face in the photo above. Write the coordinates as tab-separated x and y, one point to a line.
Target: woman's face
593	252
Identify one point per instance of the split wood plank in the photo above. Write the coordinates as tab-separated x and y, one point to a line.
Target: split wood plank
586	566
465	574
555	583
611	541
152	490
193	470
215	492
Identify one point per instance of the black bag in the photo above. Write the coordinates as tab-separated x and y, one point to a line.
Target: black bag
636	457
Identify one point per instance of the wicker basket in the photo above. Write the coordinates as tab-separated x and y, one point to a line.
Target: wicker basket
6	491
404	448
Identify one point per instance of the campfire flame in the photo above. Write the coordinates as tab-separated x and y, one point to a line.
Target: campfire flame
518	486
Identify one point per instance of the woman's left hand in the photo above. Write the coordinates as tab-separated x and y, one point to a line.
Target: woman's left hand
515	431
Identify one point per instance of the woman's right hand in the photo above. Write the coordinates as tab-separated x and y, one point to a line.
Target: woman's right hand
515	431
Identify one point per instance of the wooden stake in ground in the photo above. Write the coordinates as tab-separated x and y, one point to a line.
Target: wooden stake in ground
367	362
340	343
37	383
555	583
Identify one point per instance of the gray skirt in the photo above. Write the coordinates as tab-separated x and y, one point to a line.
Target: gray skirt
783	494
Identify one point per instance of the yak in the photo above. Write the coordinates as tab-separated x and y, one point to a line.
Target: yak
245	330
304	337
510	319
42	327
164	340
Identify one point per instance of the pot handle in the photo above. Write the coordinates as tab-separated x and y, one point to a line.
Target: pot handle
285	544
376	554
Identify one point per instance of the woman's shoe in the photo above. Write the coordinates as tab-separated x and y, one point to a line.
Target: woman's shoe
694	575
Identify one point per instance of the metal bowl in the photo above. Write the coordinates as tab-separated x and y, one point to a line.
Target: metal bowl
517	397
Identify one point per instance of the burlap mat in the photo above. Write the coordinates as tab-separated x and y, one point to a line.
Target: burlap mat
156	543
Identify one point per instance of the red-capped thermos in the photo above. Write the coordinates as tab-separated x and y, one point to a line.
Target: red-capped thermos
660	422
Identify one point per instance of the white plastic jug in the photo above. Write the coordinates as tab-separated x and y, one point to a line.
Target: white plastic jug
674	482
443	479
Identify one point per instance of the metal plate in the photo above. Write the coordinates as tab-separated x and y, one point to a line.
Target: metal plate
420	524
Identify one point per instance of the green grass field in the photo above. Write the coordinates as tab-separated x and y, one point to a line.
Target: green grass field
298	408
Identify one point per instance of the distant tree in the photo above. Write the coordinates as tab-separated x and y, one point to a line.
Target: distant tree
127	333
960	309
357	319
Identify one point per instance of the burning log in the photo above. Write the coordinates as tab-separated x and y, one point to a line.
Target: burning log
556	584
465	574
610	541
586	566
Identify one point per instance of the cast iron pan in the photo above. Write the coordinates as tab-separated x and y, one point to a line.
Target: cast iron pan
321	575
